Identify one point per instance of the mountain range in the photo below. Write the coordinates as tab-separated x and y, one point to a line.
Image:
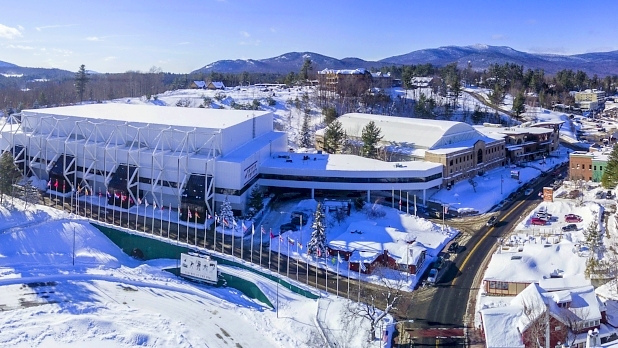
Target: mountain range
478	56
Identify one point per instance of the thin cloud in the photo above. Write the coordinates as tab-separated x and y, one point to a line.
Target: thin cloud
498	37
110	58
54	26
245	34
93	38
184	43
62	52
9	32
273	30
21	47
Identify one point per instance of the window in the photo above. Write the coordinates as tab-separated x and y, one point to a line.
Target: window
590	166
600	167
577	165
595	167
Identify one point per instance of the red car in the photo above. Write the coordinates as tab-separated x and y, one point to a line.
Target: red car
537	221
572	218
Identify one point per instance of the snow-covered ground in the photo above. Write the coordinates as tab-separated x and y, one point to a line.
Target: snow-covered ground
104	298
433	237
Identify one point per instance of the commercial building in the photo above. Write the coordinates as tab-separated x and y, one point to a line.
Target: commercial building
587	166
590	99
186	158
463	151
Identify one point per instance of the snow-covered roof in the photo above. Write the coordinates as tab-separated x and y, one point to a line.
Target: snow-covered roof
200	84
501	132
366	240
359	71
558	284
151	114
218	84
349	165
531	263
412	132
500	327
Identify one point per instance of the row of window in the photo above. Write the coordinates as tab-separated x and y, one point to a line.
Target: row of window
350	180
590	166
498	285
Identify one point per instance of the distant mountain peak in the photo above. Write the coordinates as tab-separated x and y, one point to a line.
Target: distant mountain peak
479	56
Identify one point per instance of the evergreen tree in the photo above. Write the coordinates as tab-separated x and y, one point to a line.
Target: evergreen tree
255	203
334	137
593	236
518	104
81	79
304	70
226	213
496	95
305	131
9	174
317	244
330	114
610	175
371	136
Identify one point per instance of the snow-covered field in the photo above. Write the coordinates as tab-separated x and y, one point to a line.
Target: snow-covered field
107	299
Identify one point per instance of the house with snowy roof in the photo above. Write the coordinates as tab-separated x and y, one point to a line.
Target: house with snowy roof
528	261
215	85
197	85
537	317
366	246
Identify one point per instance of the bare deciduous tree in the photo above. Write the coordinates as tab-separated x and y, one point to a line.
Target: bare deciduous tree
379	301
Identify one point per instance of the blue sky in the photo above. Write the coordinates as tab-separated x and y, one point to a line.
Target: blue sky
184	35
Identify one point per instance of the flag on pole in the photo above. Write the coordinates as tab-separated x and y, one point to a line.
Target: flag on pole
49	183
189	215
445	209
333	260
300	245
154	205
291	241
116	194
362	266
139	201
339	259
146	202
272	235
56	184
197	216
252	229
64	185
280	238
244	228
263	229
100	194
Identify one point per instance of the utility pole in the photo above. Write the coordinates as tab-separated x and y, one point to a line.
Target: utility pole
73	246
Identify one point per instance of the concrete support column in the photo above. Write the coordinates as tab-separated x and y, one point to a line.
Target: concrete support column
312	193
424	201
368	196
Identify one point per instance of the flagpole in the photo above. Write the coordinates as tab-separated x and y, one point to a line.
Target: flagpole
348	272
99	208
233	230
154	205
160	219
223	236
269	243
297	257
407	203
326	270
169	220
187	223
114	209
288	266
214	238
338	262
261	241
252	234
242	241
359	276
137	213
196	231
279	257
145	210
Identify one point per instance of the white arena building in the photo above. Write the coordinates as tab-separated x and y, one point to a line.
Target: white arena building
186	157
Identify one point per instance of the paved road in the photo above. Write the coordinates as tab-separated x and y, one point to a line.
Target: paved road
445	306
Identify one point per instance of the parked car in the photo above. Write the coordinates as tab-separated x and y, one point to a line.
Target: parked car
572	218
453	248
542	215
492	221
433	274
569	228
288	227
537	221
528	192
